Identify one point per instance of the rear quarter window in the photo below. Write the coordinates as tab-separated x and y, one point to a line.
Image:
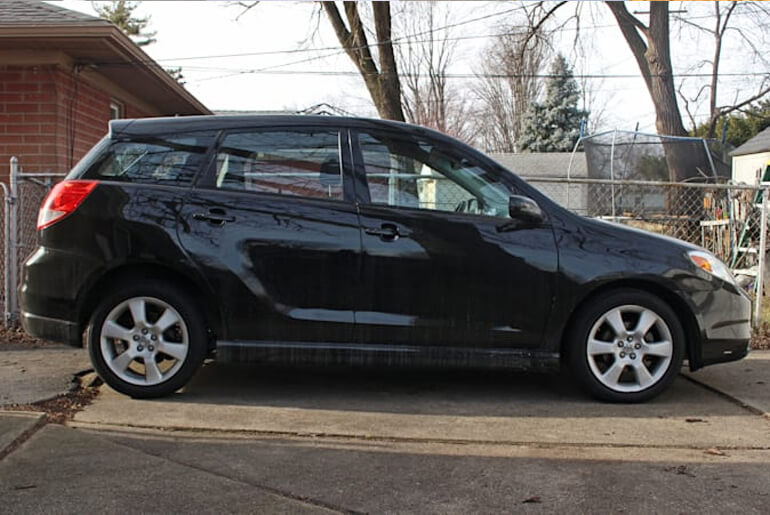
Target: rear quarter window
172	160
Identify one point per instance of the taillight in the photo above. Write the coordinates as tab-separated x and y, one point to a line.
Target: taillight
63	199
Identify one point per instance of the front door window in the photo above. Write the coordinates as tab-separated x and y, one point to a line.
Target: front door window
417	174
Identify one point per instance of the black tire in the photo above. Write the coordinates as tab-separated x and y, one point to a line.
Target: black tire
593	317
188	333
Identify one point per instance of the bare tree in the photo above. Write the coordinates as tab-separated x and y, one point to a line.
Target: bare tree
424	60
381	79
651	47
509	81
723	14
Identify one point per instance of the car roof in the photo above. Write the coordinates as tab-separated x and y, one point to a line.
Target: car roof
165	125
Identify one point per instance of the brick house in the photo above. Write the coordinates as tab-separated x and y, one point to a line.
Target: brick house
63	76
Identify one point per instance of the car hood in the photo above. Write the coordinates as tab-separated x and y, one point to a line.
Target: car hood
605	237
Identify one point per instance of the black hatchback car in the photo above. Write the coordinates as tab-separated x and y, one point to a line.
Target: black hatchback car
341	240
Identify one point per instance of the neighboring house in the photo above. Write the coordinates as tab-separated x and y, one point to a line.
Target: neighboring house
537	166
231	112
63	76
751	158
317	109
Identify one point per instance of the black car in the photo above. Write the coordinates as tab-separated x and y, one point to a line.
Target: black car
342	240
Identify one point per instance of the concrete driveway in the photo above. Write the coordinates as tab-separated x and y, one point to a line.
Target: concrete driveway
287	439
431	406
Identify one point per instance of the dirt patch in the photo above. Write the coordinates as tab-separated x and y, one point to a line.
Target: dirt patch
760	340
17	339
64	407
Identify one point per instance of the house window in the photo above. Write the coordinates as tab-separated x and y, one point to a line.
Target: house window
116	110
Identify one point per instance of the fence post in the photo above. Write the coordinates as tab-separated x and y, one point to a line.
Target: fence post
761	262
6	254
11	302
612	174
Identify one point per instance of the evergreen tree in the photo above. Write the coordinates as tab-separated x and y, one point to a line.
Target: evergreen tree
121	13
554	124
742	125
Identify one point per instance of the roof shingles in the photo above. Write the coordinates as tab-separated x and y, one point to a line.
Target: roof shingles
756	145
35	12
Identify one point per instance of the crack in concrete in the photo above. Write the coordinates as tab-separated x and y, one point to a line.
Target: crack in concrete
23	437
734	400
275	491
399	439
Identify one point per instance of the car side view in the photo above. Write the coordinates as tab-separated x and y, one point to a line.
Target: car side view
342	240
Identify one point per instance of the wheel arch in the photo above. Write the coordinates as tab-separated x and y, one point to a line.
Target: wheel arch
677	304
104	284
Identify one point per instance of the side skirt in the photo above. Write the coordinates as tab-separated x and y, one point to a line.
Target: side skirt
306	353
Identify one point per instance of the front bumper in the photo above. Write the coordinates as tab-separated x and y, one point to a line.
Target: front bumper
724	317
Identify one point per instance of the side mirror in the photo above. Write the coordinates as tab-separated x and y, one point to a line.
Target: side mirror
525	209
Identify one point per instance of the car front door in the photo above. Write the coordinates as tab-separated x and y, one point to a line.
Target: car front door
274	229
443	264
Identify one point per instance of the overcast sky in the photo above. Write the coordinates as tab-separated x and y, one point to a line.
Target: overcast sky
197	36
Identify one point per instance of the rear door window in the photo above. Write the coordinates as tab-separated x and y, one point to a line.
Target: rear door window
173	160
294	162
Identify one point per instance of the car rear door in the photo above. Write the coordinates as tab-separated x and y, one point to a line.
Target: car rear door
443	264
274	229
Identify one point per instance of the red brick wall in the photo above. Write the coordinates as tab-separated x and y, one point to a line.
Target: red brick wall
50	118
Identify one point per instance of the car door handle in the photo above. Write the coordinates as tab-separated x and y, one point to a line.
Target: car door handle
386	232
214	216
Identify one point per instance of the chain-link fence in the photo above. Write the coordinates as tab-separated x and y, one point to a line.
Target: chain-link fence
724	219
4	251
31	191
22	199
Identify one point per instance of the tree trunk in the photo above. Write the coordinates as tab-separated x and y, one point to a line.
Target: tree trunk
383	83
390	86
654	60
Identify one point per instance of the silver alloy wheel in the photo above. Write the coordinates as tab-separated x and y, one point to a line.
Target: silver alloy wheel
144	341
629	348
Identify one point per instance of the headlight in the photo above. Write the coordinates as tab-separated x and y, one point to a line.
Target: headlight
711	264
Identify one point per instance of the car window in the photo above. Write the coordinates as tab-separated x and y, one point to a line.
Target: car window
287	162
170	160
415	173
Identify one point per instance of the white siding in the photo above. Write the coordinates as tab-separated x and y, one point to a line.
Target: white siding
745	168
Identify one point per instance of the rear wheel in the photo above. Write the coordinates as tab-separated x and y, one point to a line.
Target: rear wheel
627	346
147	339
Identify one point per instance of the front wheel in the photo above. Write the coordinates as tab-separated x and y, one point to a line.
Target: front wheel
147	339
626	347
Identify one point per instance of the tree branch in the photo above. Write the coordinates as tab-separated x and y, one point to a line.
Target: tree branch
536	28
729	12
629	26
247	6
725	110
353	40
687	105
